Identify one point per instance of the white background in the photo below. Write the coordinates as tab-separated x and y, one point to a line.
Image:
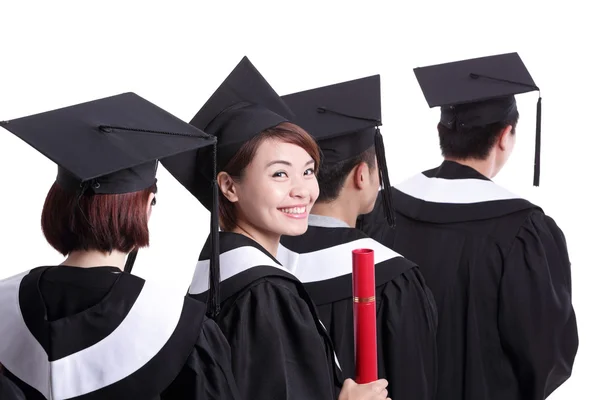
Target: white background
54	54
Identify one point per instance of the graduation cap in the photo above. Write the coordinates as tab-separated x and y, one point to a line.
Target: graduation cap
480	91
344	119
110	145
242	107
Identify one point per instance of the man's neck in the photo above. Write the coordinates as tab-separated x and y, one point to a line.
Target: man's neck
484	167
336	209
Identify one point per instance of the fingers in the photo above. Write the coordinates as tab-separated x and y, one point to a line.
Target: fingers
349	383
380	385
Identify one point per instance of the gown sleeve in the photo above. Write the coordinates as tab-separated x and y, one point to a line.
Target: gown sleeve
407	327
536	318
277	351
207	373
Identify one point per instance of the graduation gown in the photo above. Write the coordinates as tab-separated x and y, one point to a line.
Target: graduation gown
97	333
500	274
8	390
280	349
406	313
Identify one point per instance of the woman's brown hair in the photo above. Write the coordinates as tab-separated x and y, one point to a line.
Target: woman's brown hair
103	222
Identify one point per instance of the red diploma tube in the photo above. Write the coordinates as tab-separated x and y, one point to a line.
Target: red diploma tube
365	328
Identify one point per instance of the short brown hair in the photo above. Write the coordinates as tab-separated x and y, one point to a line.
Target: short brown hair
103	222
285	132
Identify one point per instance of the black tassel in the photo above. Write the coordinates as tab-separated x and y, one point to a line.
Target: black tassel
214	303
538	143
384	179
130	261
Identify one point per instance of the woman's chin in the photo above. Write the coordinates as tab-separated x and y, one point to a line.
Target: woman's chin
296	229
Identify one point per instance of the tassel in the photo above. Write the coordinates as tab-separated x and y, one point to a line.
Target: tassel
538	142
214	303
384	179
130	261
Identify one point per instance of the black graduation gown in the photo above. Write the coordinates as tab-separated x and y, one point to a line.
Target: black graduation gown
97	333
280	350
406	314
8	390
500	274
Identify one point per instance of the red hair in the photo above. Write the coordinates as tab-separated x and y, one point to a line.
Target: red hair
103	222
285	132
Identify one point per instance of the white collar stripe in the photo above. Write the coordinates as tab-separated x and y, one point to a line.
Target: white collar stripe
140	336
231	263
454	191
331	262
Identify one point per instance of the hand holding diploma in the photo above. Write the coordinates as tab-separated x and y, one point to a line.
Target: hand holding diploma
368	391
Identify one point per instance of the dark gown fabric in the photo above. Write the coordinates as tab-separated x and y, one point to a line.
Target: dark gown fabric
406	312
98	333
8	390
280	349
499	270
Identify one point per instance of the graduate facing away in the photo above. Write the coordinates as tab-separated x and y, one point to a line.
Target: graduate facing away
344	118
266	186
86	329
497	265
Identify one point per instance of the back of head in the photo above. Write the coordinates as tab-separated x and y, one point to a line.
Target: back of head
473	142
104	222
344	118
477	100
333	176
107	153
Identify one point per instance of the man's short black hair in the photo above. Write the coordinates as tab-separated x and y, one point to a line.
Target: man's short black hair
331	177
475	143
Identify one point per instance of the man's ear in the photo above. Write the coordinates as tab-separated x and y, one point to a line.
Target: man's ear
504	139
227	186
360	175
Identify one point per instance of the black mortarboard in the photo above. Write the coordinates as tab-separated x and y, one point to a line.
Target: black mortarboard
480	91
110	145
344	119
243	106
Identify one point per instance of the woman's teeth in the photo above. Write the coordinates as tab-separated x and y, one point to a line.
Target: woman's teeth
294	210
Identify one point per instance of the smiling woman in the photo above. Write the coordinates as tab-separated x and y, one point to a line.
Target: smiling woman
269	186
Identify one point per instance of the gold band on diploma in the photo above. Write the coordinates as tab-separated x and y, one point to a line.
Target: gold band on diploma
364	299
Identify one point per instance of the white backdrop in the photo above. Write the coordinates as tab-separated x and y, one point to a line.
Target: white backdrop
175	54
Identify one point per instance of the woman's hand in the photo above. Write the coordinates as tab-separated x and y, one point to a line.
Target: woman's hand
368	391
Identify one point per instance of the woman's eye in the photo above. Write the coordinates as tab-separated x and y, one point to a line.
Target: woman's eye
309	171
279	174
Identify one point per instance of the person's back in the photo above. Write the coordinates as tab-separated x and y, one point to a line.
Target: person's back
87	328
497	265
349	178
101	332
500	275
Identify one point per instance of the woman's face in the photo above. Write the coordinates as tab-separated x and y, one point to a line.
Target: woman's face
277	190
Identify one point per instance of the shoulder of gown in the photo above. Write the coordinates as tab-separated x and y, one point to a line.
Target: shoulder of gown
536	317
207	373
277	350
406	328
